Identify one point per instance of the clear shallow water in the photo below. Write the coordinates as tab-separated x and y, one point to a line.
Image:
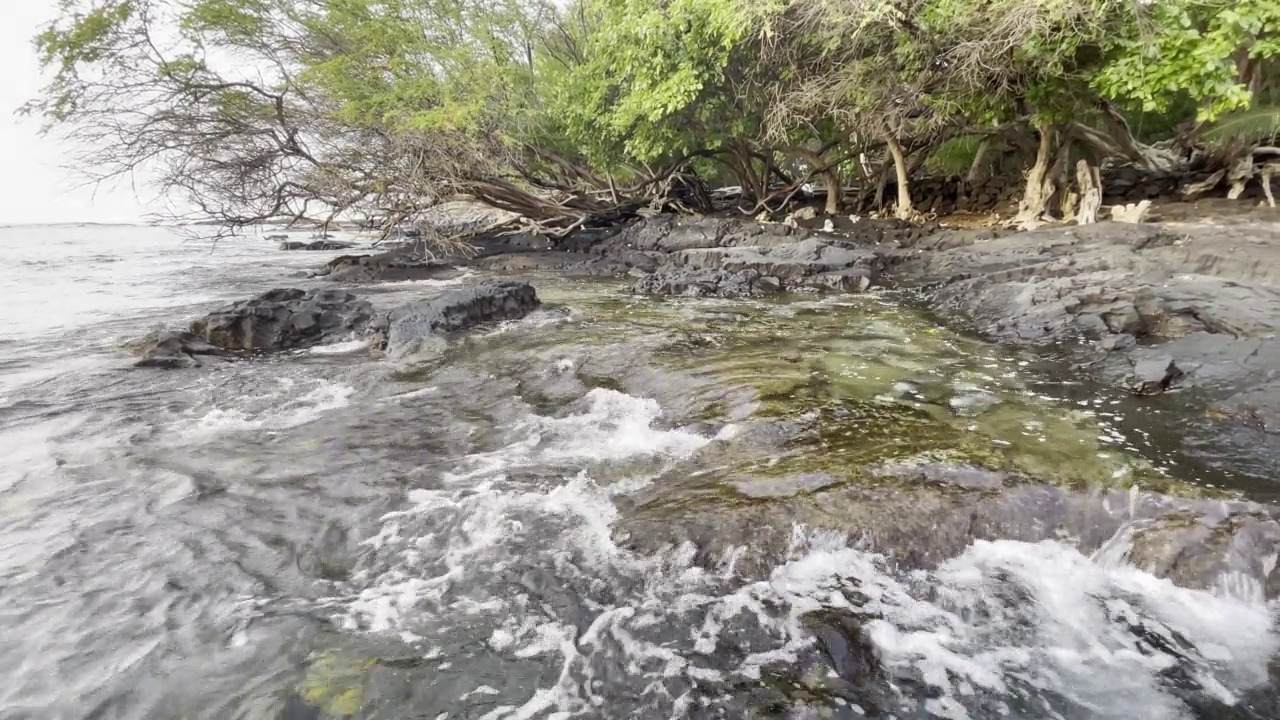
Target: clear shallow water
615	508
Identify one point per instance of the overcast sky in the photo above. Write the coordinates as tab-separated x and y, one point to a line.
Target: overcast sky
34	186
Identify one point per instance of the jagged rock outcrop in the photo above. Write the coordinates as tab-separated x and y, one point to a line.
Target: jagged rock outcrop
316	245
409	327
392	266
283	319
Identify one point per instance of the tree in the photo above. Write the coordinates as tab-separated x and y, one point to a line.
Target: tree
293	110
310	110
1214	51
663	82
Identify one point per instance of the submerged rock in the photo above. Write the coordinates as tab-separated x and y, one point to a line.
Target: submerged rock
1205	548
284	319
410	326
922	515
170	349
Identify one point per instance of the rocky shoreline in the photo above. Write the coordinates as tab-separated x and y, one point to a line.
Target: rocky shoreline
1182	313
1187	309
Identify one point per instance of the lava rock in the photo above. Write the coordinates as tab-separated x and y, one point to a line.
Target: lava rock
849	280
1153	376
708	283
410	326
394	266
316	245
1112	343
283	319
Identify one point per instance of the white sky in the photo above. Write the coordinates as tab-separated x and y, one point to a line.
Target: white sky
35	187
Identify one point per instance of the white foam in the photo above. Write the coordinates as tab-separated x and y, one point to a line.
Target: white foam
1013	618
465	277
342	348
617	426
279	412
534	320
412	394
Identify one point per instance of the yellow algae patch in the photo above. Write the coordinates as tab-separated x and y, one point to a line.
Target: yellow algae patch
335	683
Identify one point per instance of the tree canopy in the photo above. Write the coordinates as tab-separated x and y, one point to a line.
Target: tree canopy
295	110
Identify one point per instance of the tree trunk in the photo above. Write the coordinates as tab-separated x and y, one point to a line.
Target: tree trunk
742	164
881	183
830	176
904	210
978	168
1271	168
1035	197
864	174
1047	181
835	191
1160	159
1089	181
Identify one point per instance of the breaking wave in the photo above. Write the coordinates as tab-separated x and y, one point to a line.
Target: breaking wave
496	575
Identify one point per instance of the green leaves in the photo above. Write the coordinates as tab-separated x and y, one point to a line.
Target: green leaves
231	19
1193	48
1256	125
83	38
658	79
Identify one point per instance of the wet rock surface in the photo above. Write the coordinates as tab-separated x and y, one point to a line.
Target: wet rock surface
1148	307
316	245
410	326
287	319
173	349
925	515
283	319
399	265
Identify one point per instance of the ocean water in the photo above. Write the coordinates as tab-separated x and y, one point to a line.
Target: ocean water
320	534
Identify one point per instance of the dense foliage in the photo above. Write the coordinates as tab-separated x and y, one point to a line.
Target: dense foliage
302	109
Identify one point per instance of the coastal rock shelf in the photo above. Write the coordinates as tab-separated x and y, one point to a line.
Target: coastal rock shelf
1149	307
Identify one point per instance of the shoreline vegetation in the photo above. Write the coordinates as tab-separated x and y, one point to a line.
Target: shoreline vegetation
585	114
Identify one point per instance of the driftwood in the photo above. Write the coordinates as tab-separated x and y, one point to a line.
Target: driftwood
1070	203
1191	191
1238	175
1131	213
